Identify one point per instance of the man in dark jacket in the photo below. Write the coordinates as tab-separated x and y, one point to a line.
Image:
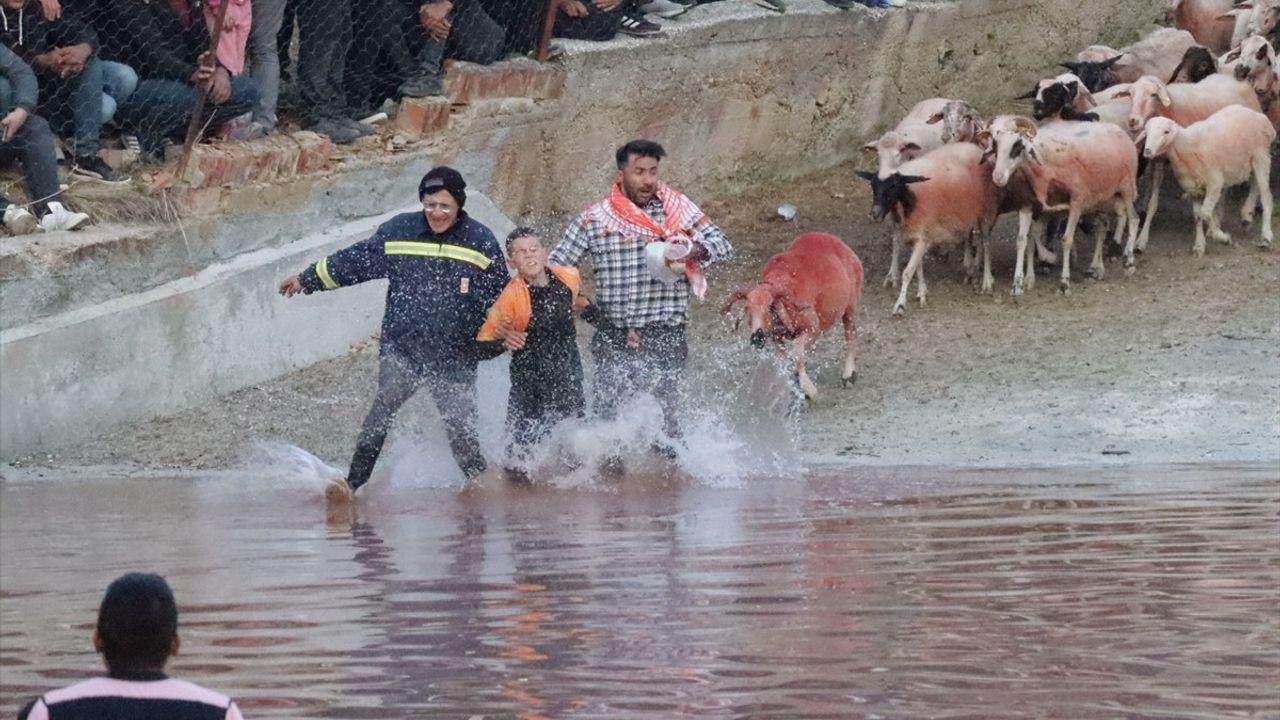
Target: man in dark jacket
27	137
62	52
444	270
167	43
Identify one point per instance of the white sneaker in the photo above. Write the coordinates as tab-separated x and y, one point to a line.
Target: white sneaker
19	220
664	8
60	218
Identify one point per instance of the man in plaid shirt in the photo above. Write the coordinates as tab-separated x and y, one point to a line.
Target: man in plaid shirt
639	343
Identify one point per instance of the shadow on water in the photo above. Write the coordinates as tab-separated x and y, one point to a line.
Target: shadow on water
1083	593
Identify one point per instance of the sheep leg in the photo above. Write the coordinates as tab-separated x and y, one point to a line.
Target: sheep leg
913	263
1097	270
1022	258
1262	180
1043	252
850	320
1030	269
1153	201
1212	194
1068	244
988	282
1197	211
1131	211
1250	202
891	278
920	286
799	349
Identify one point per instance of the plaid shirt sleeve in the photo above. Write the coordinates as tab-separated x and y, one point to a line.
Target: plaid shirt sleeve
572	246
711	237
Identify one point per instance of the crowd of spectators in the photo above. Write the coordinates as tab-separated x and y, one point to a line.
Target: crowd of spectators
134	69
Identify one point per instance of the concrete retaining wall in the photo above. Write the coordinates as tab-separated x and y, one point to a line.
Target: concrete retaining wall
154	353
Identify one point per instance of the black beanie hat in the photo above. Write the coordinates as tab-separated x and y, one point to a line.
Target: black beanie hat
444	178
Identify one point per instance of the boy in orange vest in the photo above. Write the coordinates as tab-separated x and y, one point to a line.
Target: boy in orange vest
533	318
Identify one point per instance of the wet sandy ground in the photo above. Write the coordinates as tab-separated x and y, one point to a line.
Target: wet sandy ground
852	593
1179	363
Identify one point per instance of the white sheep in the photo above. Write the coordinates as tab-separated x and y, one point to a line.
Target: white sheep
1230	147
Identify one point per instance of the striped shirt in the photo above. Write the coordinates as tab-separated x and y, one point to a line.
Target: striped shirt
112	698
625	291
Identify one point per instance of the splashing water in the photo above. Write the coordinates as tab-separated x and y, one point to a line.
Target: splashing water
288	465
734	416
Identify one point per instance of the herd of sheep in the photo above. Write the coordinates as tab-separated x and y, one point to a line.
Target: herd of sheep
1202	97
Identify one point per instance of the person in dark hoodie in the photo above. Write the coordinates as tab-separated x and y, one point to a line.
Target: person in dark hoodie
27	137
167	43
63	54
444	270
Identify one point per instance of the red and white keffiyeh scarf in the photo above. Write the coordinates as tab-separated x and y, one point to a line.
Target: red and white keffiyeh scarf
619	214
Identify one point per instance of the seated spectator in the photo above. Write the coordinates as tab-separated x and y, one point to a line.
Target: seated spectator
601	20
167	43
118	80
137	633
324	39
71	78
266	22
408	59
234	41
28	138
379	58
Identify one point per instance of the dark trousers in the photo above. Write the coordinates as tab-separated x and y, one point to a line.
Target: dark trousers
74	105
656	367
598	25
454	391
521	21
542	397
32	146
324	37
160	109
379	58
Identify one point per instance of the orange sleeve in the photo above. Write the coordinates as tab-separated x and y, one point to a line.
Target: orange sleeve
570	277
507	309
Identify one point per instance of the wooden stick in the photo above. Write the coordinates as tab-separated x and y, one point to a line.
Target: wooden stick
193	127
548	27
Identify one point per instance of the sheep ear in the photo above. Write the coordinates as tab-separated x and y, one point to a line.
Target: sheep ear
934	119
868	176
1087	97
1232	56
1122	94
1262	53
1108	63
911	147
1073	67
908	179
1142	136
1028	95
1163	94
870	147
1033	155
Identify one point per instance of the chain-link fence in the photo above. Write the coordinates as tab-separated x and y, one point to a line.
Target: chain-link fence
142	79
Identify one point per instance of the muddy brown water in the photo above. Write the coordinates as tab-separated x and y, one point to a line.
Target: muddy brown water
1147	592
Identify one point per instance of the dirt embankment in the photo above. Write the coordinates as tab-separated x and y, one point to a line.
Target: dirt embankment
1180	362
